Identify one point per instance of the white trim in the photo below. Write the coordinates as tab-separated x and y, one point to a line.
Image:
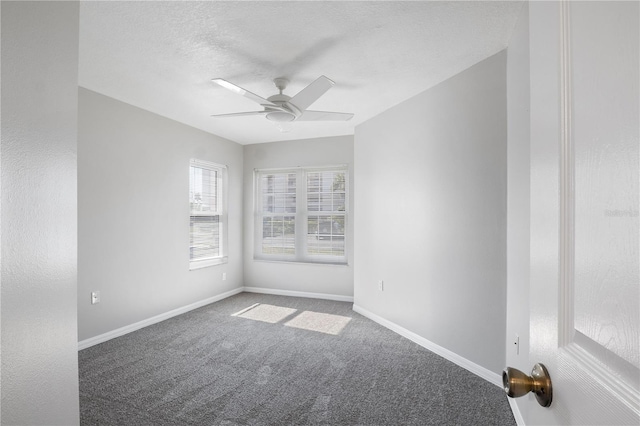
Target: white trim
476	369
83	344
516	412
207	164
293	262
300	216
326	296
296	168
204	263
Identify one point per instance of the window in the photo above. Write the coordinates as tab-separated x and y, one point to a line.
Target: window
301	214
207	229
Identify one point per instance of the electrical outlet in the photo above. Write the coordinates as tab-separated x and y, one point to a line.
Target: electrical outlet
381	285
95	297
224	276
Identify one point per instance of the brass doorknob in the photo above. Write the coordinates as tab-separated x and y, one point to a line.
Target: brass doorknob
517	384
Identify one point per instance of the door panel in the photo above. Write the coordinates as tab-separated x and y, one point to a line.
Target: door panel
585	285
604	110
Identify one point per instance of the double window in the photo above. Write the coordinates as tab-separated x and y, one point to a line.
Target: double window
302	214
207	230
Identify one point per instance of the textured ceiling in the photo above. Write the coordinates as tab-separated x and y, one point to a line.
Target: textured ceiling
161	56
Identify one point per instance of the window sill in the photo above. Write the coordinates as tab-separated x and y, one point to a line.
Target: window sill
302	262
199	264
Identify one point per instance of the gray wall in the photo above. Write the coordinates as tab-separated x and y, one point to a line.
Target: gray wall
311	278
133	206
430	193
39	275
518	107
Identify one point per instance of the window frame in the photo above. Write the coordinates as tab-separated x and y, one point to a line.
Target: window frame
301	216
220	213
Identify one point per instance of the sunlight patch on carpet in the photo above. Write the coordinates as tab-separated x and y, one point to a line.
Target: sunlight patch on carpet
266	313
317	321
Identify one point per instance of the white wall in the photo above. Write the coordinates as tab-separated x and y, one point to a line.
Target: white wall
518	107
301	277
133	206
39	221
430	194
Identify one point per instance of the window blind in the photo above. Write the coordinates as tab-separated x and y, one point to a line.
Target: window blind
206	205
301	214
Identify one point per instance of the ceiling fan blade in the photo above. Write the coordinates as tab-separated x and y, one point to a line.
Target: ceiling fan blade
242	92
312	92
240	114
324	116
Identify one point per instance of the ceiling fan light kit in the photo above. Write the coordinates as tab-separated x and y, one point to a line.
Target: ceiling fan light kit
281	108
280	116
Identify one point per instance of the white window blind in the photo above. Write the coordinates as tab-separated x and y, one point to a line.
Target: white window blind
301	214
326	205
207	222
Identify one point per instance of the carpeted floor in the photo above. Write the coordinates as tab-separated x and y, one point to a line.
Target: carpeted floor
257	359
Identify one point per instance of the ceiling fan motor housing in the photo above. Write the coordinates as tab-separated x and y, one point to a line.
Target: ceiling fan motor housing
288	113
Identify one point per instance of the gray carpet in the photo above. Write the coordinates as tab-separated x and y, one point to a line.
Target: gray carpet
286	361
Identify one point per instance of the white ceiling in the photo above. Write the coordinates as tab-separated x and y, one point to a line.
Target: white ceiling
161	56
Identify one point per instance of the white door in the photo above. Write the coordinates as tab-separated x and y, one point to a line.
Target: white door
585	291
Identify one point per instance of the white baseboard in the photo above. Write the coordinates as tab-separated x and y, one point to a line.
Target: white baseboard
445	353
516	412
83	344
476	369
276	292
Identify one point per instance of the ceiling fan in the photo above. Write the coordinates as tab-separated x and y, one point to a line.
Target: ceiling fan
281	108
